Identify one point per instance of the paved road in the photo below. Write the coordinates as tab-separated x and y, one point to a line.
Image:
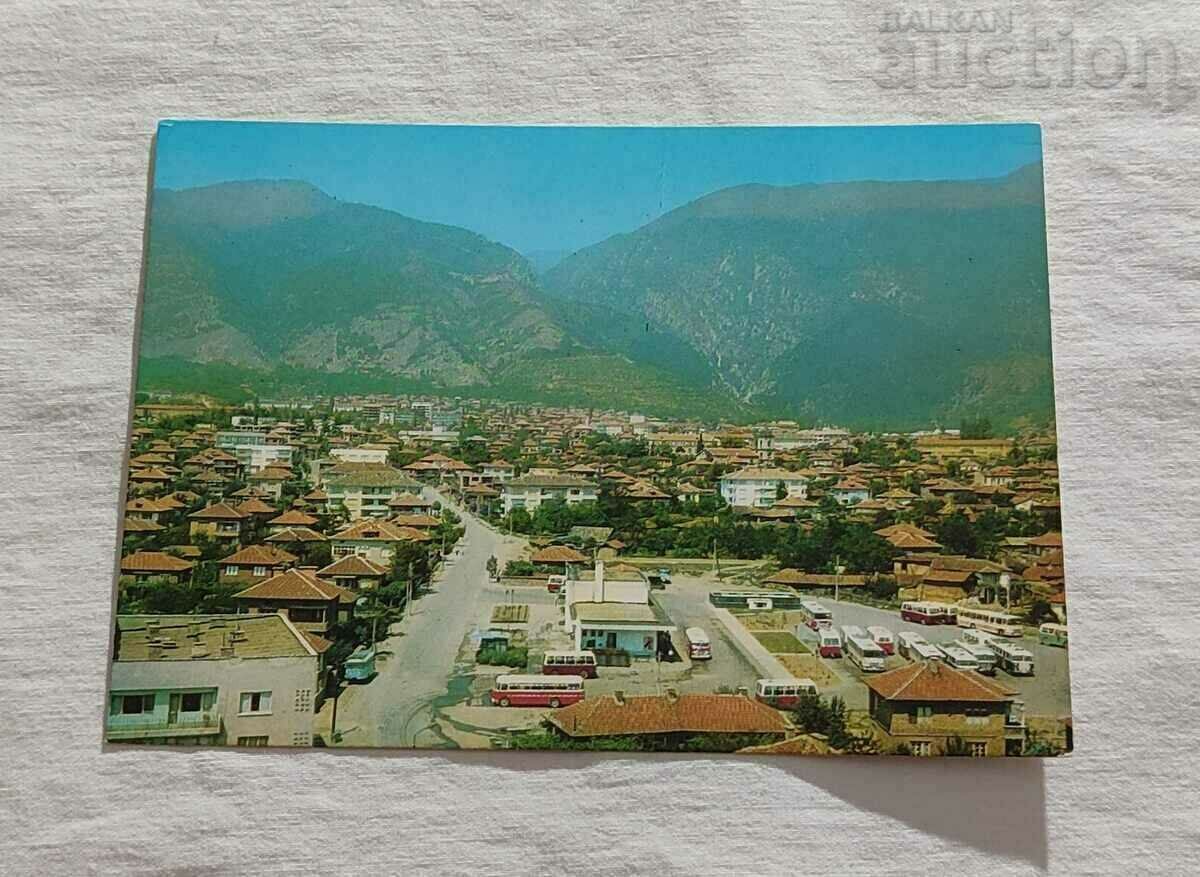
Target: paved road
686	602
397	707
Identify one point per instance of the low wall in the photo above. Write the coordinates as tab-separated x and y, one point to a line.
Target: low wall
766	663
523	581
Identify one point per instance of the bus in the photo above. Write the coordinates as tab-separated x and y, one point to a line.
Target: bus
815	614
989	620
959	658
552	691
569	664
555	583
927	613
849	630
755	599
883	638
906	640
865	653
1013	659
985	658
829	643
1053	635
698	643
783	693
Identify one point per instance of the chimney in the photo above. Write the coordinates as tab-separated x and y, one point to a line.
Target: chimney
619	697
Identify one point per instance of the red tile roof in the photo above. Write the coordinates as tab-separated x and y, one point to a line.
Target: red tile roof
293	518
153	561
296	584
934	681
218	512
652	714
558	554
260	555
352	565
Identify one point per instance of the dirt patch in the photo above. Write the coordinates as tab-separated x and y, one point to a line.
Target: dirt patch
778	619
780	642
810	667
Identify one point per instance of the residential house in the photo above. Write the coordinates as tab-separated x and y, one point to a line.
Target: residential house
529	491
369	453
291	518
850	491
930	707
143	565
218	521
909	537
205	679
253	564
310	602
354	573
373	539
760	487
497	471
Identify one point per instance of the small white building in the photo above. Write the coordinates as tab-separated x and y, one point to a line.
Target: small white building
758	487
361	454
613	609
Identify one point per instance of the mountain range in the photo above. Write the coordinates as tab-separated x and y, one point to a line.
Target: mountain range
867	304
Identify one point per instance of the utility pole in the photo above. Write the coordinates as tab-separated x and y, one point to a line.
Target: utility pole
838	569
409	590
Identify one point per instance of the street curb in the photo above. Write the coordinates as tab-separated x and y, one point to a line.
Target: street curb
766	663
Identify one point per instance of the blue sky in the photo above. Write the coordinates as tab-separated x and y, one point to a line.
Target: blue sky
543	188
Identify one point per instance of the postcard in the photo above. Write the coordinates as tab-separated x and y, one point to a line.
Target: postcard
657	439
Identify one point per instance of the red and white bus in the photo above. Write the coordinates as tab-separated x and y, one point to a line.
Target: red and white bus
829	643
551	691
928	613
783	693
569	664
698	643
865	653
815	615
883	638
990	621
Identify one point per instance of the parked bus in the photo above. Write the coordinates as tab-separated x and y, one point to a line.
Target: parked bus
849	630
883	638
927	613
985	658
1012	659
989	620
1053	635
905	640
829	644
569	664
555	583
977	638
865	653
959	658
551	691
755	599
698	643
815	614
926	651
783	693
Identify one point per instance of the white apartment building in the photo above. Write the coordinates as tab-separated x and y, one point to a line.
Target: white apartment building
758	487
530	491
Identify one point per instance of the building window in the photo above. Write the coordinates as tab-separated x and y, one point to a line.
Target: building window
260	570
921	747
255	703
306	614
924	711
256	741
231	570
977	748
133	704
301	738
303	700
191	702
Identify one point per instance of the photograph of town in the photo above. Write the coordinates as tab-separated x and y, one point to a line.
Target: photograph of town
734	440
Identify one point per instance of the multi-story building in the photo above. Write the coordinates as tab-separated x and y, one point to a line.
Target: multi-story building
237	680
759	487
530	491
365	488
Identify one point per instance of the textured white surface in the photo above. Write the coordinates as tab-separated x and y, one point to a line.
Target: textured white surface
81	88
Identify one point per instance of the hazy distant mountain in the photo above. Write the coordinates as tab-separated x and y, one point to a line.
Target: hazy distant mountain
864	303
857	302
543	260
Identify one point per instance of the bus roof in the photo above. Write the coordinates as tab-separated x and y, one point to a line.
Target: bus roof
581	653
1051	627
787	681
696	634
530	679
877	629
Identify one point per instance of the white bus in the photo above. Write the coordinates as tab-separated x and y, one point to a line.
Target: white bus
959	658
985	658
989	620
815	615
905	640
849	630
924	651
698	643
1012	659
883	638
865	653
783	693
977	638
